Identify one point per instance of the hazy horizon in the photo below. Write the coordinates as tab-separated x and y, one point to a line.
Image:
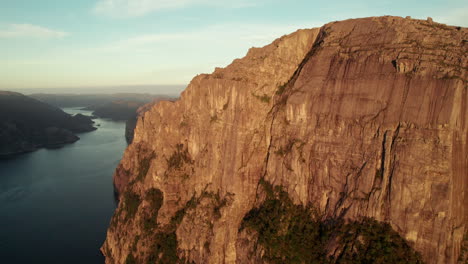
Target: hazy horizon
171	90
96	43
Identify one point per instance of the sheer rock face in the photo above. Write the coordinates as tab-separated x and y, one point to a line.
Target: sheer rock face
363	117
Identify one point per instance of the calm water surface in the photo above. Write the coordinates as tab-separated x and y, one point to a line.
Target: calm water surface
56	204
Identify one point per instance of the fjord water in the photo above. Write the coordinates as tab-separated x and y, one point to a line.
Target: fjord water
56	204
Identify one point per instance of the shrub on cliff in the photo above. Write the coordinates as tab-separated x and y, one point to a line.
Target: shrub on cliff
131	203
290	233
155	198
287	232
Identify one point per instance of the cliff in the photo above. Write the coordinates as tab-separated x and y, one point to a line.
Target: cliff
27	124
118	107
347	142
131	123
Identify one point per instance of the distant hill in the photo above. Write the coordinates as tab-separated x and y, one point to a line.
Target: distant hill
118	107
172	90
27	124
92	101
119	110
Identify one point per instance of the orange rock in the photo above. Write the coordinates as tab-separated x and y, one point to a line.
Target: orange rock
363	117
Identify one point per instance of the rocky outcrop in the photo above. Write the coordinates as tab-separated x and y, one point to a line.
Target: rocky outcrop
27	124
131	122
360	119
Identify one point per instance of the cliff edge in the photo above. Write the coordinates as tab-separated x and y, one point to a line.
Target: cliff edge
354	134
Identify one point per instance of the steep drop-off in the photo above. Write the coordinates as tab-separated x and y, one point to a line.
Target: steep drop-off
131	122
354	134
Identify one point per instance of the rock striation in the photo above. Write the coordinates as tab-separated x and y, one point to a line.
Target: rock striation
131	122
359	119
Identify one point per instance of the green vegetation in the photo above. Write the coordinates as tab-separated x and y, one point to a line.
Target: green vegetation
164	249
287	232
145	164
130	259
115	219
131	203
370	241
280	152
291	233
379	173
183	123
178	158
264	98
281	89
135	243
218	203
463	257
283	150
214	118
164	241
155	198
179	215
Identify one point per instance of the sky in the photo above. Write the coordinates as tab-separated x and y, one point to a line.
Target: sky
104	43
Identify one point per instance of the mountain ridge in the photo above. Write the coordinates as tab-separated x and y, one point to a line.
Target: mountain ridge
28	124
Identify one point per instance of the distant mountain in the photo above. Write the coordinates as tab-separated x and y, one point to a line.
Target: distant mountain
118	107
172	90
27	124
93	101
119	110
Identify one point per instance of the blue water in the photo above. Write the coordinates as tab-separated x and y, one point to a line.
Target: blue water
56	204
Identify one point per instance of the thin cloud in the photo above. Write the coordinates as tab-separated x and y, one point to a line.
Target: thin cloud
455	17
29	31
135	8
237	35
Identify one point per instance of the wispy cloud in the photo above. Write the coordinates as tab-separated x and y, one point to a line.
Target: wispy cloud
29	31
455	17
177	57
221	37
155	57
134	8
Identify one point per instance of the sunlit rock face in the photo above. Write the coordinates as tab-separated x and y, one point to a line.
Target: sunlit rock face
358	118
